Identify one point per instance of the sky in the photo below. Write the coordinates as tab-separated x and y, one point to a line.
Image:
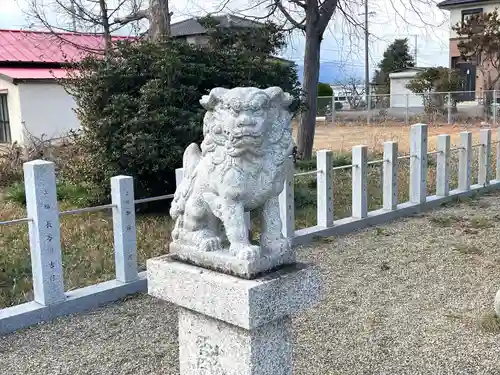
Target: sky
342	50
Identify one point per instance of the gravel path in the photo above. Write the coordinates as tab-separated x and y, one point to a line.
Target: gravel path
403	298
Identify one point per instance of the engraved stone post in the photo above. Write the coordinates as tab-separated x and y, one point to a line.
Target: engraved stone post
236	298
44	232
443	166
124	230
464	160
325	188
484	171
390	194
287	203
359	182
418	163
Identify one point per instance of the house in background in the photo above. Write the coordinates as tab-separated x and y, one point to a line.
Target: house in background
191	31
31	100
402	97
459	11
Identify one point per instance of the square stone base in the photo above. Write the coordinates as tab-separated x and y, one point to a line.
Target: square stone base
209	346
244	303
224	262
234	326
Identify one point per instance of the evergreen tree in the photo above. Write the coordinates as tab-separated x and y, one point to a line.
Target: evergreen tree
397	56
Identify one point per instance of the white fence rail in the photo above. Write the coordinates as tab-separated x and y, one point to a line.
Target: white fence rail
51	300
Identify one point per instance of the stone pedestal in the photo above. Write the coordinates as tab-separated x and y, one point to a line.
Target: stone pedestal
234	326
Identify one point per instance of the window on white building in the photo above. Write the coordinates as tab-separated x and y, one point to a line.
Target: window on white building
5	136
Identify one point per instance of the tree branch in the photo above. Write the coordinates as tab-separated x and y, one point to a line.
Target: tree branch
325	13
289	17
299	3
139	15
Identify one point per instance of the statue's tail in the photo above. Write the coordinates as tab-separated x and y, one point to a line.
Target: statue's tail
191	158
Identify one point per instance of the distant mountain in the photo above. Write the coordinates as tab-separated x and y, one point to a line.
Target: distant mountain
333	71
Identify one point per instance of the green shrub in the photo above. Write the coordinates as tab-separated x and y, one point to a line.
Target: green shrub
324	89
341	159
15	193
77	195
139	107
304	194
310	165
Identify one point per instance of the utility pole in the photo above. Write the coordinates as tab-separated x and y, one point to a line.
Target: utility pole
367	67
73	15
416	48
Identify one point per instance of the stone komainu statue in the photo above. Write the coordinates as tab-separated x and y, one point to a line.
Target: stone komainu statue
241	167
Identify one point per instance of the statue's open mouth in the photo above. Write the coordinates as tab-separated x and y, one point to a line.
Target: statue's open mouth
247	137
247	142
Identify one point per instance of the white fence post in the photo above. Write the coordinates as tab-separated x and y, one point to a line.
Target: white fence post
124	230
497	156
449	106
407	109
287	203
418	163
494	105
390	173
333	109
179	176
464	160
484	173
369	107
324	188
359	182
443	166
44	232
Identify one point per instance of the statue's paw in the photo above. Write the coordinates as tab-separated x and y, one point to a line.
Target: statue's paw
275	245
247	252
210	244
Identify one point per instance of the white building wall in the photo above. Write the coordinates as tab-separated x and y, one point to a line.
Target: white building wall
400	95
456	13
14	108
46	109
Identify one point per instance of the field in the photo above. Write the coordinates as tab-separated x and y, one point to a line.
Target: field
342	138
87	239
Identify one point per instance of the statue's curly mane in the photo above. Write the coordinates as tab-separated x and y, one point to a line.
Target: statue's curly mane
276	137
247	139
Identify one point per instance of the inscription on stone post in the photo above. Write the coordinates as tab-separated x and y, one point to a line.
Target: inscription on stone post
44	232
125	241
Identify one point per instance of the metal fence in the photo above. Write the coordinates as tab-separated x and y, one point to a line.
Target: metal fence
436	108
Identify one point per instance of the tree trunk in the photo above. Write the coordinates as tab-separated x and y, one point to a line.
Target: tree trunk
159	20
307	124
105	26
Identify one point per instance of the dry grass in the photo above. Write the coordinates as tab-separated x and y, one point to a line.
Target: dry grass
87	240
342	138
87	247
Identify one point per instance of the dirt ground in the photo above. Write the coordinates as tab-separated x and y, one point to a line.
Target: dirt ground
412	297
342	138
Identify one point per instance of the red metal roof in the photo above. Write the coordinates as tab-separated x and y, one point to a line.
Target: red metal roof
45	47
32	73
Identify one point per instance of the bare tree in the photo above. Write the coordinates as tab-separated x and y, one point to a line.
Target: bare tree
317	15
354	90
480	43
312	17
157	14
89	16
